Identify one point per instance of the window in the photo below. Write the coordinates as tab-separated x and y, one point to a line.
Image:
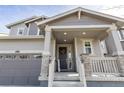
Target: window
121	34
20	31
23	57
7	57
87	47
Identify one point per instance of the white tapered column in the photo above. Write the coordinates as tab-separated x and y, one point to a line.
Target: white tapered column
46	55
114	41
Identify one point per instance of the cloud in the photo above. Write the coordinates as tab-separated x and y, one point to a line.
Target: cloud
114	10
13	13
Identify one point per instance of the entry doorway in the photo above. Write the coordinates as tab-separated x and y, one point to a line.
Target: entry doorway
65	58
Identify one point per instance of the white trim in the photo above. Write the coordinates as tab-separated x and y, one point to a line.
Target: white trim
76	54
38	31
21	28
20	21
91	45
21	37
83	10
102	15
20	51
119	34
102	47
58	16
79	14
28	29
81	26
40	17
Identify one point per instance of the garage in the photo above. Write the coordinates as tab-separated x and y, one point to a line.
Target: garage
20	69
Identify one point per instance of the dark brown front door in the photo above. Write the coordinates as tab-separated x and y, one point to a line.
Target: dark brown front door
63	58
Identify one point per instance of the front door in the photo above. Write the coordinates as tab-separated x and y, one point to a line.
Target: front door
63	58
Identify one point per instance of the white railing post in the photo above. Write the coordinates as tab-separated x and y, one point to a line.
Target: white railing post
58	65
51	72
82	72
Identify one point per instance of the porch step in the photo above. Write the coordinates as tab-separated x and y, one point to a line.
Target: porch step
66	76
67	84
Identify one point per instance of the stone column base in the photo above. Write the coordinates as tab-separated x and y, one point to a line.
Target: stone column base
44	83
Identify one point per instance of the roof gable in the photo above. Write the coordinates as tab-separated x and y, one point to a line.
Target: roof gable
26	20
20	21
72	19
83	10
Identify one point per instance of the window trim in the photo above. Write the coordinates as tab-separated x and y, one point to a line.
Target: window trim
84	47
38	31
28	29
22	32
119	34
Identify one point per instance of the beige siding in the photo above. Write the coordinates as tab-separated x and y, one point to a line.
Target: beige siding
33	29
14	29
21	45
95	47
73	20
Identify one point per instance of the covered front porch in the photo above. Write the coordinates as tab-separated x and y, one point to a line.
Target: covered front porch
78	49
71	42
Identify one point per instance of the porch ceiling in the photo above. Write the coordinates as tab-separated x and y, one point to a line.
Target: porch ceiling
72	33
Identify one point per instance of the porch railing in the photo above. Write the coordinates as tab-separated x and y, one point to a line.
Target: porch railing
104	65
51	72
58	62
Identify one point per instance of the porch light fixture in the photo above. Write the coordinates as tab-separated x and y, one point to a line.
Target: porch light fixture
84	33
65	33
65	40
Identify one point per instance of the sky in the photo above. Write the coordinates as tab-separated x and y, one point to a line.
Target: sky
13	13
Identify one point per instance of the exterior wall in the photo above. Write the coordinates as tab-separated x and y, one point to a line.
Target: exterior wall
95	47
103	47
21	44
20	72
14	29
73	20
33	29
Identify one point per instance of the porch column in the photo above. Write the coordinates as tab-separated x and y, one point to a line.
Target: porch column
76	53
45	59
113	41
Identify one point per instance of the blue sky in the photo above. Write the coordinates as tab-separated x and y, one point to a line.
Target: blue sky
12	13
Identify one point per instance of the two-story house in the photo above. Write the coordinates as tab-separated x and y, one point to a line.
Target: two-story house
79	47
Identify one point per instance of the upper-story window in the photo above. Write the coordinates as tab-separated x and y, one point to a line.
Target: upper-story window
87	47
121	34
20	31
